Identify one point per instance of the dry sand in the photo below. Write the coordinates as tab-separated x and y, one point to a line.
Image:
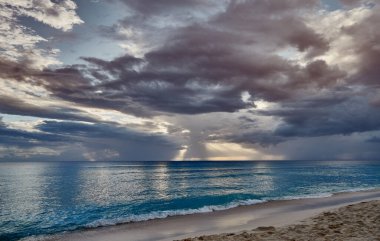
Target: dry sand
358	222
353	222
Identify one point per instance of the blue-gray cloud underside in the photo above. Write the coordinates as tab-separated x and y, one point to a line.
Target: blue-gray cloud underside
201	65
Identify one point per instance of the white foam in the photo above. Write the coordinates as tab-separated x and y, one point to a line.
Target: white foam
361	189
205	209
306	196
169	213
42	237
321	195
208	209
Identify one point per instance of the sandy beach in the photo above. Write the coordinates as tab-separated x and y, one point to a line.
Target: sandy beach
325	218
359	221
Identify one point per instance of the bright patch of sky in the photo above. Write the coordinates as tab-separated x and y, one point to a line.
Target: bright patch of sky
84	39
332	4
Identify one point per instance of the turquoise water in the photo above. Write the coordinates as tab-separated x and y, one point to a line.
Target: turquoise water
48	198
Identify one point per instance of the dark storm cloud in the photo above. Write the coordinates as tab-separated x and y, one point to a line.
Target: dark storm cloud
14	70
203	65
374	139
203	68
263	21
120	65
367	37
22	138
338	112
146	18
322	117
103	141
16	106
71	84
78	130
262	138
75	83
125	143
140	92
67	80
343	119
347	110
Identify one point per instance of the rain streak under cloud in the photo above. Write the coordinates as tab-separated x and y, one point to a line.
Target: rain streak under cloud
189	80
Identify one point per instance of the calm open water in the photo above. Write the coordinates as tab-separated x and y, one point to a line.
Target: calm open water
47	198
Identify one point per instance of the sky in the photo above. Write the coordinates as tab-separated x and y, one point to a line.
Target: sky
130	80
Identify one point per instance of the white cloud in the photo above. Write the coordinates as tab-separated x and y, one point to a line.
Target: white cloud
59	15
20	43
342	46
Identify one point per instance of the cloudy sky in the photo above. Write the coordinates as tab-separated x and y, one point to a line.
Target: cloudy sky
102	80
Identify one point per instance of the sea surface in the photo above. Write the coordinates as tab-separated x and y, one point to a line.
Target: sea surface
45	198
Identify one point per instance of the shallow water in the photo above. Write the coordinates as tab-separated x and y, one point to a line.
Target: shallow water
46	198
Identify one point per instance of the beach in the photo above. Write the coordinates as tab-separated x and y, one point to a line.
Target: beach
359	221
320	218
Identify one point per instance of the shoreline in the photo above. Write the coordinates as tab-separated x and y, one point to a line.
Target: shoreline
216	208
358	221
269	213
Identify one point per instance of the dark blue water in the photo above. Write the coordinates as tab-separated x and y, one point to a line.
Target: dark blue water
47	198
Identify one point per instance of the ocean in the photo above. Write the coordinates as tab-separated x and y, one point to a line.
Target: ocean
45	198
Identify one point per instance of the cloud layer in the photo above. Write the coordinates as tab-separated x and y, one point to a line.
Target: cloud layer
261	74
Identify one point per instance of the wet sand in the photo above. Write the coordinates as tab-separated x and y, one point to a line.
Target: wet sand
272	217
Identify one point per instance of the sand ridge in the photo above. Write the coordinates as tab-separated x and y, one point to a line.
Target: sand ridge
354	222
